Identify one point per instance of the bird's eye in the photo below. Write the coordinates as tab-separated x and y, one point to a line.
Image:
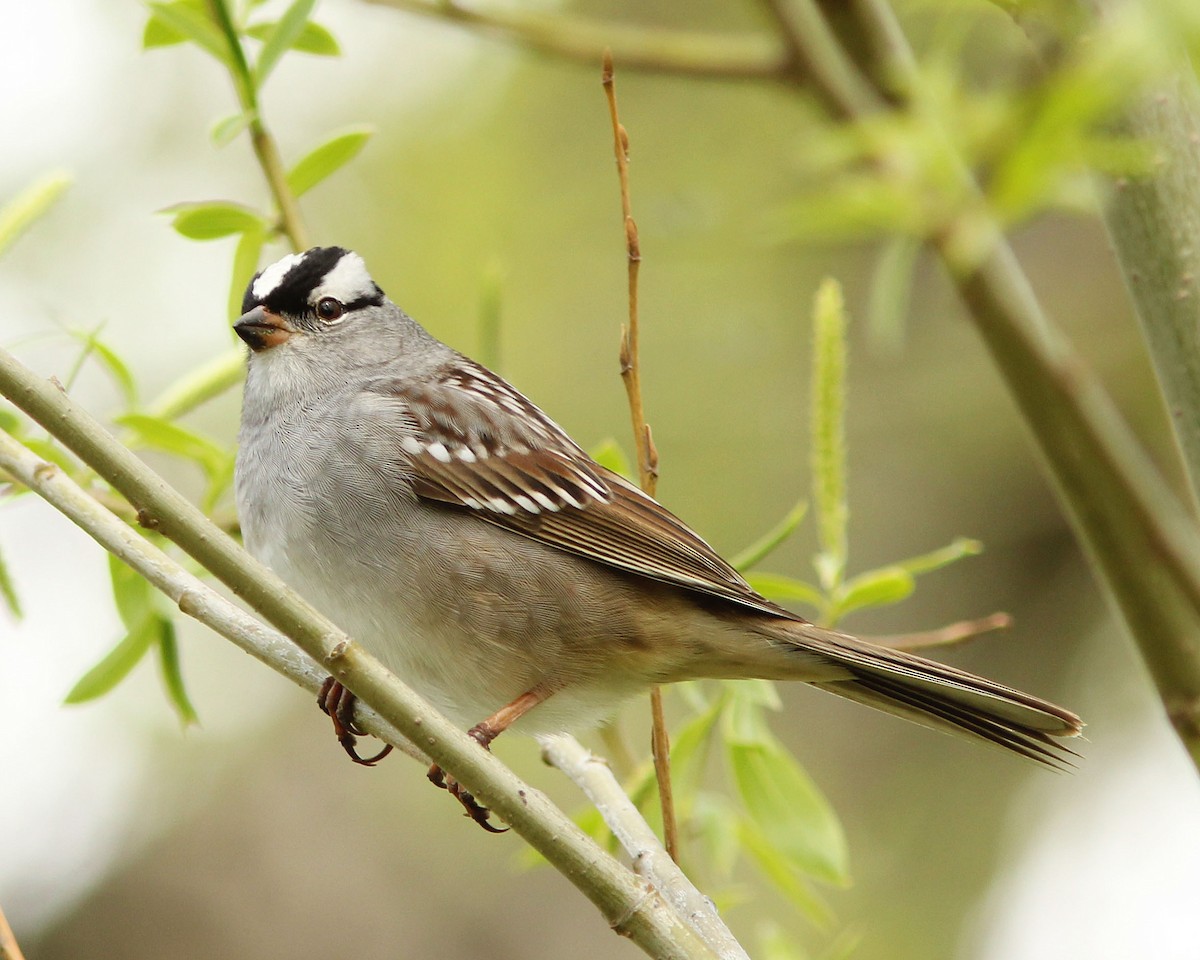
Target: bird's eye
329	309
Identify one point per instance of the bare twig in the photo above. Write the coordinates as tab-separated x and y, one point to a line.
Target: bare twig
647	456
595	778
9	950
958	632
632	908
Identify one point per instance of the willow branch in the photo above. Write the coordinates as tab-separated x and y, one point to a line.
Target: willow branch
595	778
654	50
1139	537
1154	223
631	907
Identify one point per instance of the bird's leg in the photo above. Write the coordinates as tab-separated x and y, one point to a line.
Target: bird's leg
483	734
338	704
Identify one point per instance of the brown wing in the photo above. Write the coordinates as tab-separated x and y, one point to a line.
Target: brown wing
480	445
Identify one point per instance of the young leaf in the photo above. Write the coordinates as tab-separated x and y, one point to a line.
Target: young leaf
27	206
9	591
828	431
157	34
609	454
132	593
168	661
113	364
891	292
282	37
783	589
327	158
314	38
192	23
876	588
782	874
171	438
766	544
226	130
787	807
116	665
216	218
936	559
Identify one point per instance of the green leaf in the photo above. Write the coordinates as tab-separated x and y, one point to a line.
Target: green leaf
768	542
325	159
191	22
610	454
132	594
491	301
829	431
778	869
157	34
876	588
689	749
210	220
116	665
10	423
245	264
226	130
168	661
172	438
783	589
8	591
281	38
891	293
789	810
21	211
935	560
109	360
314	38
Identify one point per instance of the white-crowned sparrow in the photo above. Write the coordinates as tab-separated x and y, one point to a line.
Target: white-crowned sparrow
449	525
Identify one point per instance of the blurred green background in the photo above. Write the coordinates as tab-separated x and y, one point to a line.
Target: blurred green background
250	836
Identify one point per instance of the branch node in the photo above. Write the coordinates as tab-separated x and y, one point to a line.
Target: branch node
148	520
632	244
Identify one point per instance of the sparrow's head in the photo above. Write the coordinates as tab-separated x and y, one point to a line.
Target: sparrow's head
309	293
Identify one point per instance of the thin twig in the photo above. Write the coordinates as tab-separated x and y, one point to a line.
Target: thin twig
595	778
625	901
9	949
958	632
647	456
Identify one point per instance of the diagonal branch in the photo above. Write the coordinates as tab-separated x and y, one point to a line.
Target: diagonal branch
632	908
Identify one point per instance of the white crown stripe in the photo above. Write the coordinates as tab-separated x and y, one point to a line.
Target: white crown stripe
273	275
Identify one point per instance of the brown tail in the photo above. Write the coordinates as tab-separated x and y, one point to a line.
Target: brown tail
935	695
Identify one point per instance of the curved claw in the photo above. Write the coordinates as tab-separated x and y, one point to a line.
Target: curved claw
474	809
337	703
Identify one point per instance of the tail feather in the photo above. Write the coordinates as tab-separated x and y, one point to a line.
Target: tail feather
942	697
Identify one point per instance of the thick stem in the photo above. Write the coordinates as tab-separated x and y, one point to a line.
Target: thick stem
1154	224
